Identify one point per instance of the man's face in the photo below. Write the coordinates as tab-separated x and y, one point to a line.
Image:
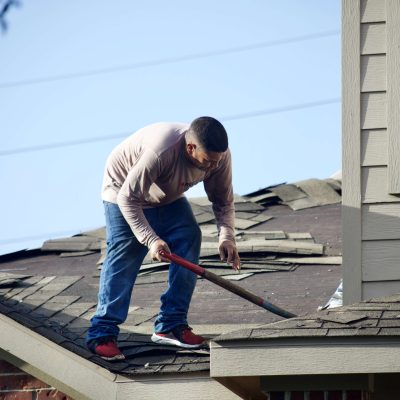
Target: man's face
206	161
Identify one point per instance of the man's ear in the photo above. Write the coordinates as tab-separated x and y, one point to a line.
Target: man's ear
190	147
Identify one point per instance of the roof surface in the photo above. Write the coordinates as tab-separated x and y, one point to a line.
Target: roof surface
378	317
290	254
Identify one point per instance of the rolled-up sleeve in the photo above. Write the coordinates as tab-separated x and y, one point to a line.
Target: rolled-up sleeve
133	193
218	187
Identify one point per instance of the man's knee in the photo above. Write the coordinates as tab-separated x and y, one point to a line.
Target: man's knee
194	235
125	255
123	246
186	241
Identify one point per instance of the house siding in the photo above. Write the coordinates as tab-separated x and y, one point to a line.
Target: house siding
375	143
351	150
16	384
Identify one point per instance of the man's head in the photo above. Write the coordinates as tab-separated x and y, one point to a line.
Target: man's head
206	141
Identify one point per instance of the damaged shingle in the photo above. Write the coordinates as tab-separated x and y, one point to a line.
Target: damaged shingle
12	281
56	310
343	317
300	195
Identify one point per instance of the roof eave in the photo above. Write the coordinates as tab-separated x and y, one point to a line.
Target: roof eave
53	364
190	386
305	356
84	380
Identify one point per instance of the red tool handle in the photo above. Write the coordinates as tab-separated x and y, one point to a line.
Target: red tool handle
197	269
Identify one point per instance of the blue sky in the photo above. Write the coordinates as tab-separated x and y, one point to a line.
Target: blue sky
295	62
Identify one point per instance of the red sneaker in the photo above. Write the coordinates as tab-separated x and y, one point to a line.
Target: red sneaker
181	336
106	348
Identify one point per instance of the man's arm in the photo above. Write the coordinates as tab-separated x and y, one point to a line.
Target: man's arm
132	196
218	187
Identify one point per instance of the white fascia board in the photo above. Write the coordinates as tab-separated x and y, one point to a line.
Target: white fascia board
191	386
84	380
53	364
305	357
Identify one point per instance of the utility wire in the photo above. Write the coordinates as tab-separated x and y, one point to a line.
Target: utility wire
169	60
36	237
231	117
63	144
277	110
118	135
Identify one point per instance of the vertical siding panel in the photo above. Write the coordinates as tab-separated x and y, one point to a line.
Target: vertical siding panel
393	95
381	261
374	186
373	73
373	11
377	289
374	148
373	38
381	221
351	210
373	110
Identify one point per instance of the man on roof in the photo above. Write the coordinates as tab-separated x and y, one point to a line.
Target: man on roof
146	211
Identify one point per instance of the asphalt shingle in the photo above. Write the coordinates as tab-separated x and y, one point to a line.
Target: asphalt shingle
56	296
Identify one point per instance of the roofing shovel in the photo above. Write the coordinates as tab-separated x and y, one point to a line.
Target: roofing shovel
197	269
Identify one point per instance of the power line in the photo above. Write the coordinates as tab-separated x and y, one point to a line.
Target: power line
231	117
36	237
277	110
118	135
168	60
63	144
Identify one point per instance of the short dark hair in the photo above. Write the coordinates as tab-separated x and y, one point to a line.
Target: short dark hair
210	134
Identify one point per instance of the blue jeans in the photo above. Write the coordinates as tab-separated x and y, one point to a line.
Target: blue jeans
176	225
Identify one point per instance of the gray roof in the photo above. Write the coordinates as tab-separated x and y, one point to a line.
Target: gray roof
378	318
53	291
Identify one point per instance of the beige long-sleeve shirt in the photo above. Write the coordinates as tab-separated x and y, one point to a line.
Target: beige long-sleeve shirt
150	169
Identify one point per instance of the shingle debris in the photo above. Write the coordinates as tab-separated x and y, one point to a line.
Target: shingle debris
60	308
255	246
300	195
11	280
378	317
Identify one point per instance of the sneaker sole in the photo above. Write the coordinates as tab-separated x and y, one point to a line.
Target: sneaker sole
168	341
114	358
